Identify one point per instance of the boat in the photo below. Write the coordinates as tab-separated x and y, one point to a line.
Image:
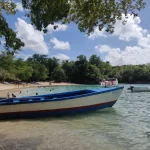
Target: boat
60	103
110	82
139	89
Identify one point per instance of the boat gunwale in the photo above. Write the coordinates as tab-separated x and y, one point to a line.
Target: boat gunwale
94	92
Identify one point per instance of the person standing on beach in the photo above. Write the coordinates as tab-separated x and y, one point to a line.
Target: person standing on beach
8	94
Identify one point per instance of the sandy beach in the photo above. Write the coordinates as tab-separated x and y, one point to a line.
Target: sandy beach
15	88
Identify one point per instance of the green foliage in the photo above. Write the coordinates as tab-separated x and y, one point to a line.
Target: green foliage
12	43
95	60
81	67
103	13
58	74
39	58
6	62
39	67
39	72
42	13
8	6
23	71
82	71
51	65
69	69
5	75
93	74
133	73
86	14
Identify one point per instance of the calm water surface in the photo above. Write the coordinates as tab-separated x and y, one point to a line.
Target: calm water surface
122	127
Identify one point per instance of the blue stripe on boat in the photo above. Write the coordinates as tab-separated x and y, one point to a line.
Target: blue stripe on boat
57	112
57	96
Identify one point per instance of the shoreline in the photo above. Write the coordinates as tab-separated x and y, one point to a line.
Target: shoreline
13	88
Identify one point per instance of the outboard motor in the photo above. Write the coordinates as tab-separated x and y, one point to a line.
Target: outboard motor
131	87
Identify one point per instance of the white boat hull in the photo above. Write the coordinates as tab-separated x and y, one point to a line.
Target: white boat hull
98	101
140	89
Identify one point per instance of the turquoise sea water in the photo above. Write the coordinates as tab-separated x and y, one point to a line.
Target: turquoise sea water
122	127
55	89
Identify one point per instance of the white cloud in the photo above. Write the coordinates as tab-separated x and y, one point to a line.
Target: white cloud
130	55
19	7
138	54
61	27
144	41
61	57
105	48
131	30
60	44
32	38
97	33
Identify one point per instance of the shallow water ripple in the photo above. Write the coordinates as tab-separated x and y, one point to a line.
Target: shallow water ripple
122	127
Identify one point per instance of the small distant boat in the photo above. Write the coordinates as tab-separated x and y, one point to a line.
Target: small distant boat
61	103
139	89
110	82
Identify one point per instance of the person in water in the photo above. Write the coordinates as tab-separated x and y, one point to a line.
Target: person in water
13	95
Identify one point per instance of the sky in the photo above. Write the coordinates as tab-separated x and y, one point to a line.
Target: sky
129	44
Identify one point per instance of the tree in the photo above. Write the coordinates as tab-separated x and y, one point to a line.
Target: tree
22	71
128	74
51	65
58	74
84	71
6	62
39	72
69	69
93	74
5	75
87	14
105	68
80	69
95	60
40	58
12	43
